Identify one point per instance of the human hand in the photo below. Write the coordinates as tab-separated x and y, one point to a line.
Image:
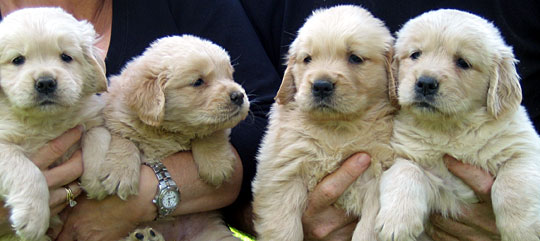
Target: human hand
321	220
57	177
477	223
113	219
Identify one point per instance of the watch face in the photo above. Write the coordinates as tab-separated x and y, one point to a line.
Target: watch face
169	199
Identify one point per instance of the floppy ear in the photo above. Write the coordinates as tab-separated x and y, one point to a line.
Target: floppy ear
146	97
98	79
391	65
287	89
504	93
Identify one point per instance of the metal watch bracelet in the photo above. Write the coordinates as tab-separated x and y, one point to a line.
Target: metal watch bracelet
167	196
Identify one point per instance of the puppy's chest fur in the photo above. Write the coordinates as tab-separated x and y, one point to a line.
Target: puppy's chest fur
311	150
485	144
31	133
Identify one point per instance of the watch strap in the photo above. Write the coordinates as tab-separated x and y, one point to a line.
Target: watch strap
165	182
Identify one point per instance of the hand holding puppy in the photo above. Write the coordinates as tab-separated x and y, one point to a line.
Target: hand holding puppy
56	177
321	219
478	221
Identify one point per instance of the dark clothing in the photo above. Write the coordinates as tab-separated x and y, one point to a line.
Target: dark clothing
277	21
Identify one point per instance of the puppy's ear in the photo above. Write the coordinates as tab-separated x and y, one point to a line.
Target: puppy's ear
95	72
287	90
146	97
97	69
504	93
391	65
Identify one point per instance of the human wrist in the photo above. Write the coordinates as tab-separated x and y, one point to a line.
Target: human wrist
147	191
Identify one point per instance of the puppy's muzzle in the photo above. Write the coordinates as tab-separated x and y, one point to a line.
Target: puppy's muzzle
426	87
322	89
237	98
45	85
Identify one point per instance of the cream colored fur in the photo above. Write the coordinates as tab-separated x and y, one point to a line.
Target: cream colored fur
475	117
308	139
155	108
41	35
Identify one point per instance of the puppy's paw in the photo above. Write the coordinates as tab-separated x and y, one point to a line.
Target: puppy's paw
216	173
90	182
146	234
122	181
31	221
392	226
119	173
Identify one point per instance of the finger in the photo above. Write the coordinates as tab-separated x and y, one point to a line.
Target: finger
59	195
54	149
333	185
320	223
439	235
457	229
58	208
343	233
479	180
480	216
66	173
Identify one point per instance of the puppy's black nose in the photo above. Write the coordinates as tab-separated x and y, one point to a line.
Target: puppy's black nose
426	86
237	97
322	88
45	85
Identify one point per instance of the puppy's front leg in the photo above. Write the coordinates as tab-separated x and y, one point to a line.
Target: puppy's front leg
516	199
404	202
214	157
119	173
95	144
25	192
278	206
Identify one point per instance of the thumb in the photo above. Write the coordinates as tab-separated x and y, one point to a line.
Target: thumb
333	185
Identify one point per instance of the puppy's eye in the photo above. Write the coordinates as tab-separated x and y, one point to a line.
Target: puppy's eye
19	60
415	55
463	64
198	83
307	59
354	59
66	58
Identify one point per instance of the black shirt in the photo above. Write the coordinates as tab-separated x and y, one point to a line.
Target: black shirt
277	21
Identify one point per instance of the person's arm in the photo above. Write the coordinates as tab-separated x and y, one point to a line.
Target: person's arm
57	177
112	218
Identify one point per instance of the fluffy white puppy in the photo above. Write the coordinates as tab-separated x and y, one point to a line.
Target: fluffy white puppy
460	95
178	95
332	103
50	72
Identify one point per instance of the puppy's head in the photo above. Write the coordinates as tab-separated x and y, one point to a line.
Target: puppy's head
184	82
48	61
339	63
451	63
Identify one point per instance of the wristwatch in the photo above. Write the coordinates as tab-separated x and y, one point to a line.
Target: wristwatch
168	195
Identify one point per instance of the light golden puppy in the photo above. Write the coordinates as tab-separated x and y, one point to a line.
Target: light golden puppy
332	103
460	95
50	72
178	95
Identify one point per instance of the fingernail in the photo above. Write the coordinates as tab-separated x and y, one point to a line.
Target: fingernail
81	128
449	161
362	160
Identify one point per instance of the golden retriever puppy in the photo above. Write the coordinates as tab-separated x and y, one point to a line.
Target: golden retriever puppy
460	95
178	95
332	103
50	72
145	234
